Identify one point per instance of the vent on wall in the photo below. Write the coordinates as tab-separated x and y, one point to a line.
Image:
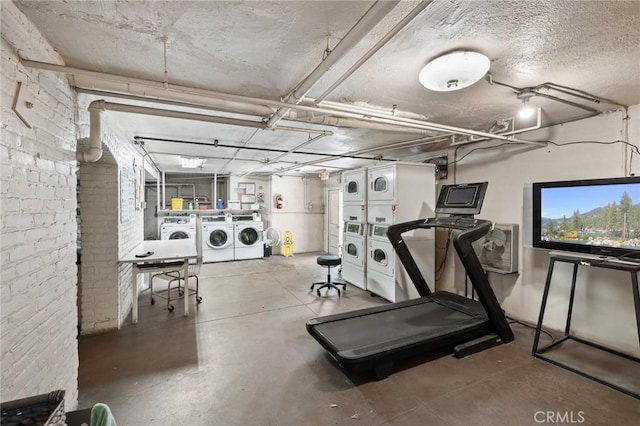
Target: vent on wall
498	249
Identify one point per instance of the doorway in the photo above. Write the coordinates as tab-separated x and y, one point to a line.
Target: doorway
334	245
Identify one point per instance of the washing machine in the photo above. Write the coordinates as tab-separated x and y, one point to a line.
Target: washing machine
248	240
178	227
217	238
354	255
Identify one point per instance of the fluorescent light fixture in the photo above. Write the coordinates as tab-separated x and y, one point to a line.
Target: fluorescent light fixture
454	71
191	162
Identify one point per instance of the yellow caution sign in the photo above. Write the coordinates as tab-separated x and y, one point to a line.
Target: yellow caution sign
287	244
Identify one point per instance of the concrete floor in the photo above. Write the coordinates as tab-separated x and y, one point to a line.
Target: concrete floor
243	357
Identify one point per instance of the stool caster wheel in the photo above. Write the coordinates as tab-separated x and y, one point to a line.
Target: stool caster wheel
170	308
153	302
198	299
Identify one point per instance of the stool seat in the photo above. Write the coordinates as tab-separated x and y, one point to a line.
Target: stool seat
329	260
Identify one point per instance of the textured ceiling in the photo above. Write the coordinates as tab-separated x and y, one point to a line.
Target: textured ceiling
264	50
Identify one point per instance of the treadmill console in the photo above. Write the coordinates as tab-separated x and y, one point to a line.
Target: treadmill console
461	199
454	222
461	202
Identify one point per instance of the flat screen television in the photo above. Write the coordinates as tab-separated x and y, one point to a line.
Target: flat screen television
461	199
594	216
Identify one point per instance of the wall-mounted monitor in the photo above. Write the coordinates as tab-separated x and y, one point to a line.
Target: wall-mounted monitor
461	199
595	216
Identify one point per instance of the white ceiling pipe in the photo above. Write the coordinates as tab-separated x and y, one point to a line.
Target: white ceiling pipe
295	149
190	105
205	93
210	157
340	112
158	194
369	20
405	144
173	92
209	103
367	109
95	134
180	114
164	189
328	120
344	110
420	124
284	154
382	42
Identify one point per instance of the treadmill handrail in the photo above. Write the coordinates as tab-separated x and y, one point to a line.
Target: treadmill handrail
462	243
394	234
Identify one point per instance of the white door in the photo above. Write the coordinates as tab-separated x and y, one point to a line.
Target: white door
335	221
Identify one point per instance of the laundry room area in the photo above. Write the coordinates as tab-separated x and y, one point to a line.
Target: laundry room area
357	212
246	219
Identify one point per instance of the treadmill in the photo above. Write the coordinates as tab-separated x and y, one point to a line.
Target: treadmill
374	338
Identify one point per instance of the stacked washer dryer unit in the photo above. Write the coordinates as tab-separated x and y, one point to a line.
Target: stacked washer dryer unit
354	208
178	227
217	238
248	242
399	192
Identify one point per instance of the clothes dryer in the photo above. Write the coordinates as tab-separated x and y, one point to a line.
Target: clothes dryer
178	227
385	274
354	255
248	240
217	239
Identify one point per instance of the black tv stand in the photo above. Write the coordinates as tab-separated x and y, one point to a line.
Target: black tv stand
628	383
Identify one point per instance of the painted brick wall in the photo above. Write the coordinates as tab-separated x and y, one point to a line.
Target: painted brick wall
39	351
105	287
99	244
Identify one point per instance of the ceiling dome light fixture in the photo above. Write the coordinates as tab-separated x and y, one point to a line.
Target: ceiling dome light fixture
454	71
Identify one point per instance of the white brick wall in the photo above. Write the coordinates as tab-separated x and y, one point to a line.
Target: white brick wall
99	242
105	288
39	350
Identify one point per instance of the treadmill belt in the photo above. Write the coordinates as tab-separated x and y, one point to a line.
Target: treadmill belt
367	332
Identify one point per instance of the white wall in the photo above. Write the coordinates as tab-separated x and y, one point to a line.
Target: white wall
603	308
302	212
38	222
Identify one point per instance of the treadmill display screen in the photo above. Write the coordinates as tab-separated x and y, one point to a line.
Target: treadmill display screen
462	199
463	196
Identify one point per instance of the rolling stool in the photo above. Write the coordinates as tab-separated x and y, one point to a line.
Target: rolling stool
329	260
